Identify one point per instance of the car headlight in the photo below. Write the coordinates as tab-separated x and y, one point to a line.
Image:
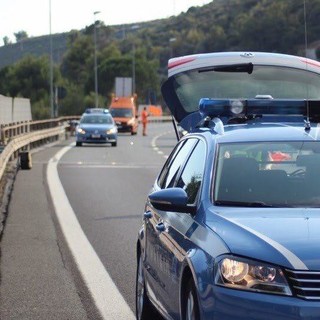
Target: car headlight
112	130
81	131
130	122
243	274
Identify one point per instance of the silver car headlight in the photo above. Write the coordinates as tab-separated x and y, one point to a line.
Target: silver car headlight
244	274
81	131
112	130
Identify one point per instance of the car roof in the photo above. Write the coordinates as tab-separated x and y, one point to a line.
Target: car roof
267	132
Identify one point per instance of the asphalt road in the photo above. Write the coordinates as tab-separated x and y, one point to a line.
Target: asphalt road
106	188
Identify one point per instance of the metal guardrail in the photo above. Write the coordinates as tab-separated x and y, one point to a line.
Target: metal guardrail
23	136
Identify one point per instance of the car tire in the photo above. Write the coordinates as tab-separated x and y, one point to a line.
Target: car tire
144	309
113	144
190	305
78	144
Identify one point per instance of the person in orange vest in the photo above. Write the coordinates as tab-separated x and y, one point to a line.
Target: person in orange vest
144	120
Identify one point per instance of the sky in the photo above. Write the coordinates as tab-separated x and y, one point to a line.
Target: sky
33	16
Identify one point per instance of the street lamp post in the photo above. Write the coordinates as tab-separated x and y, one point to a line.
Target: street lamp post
51	66
95	61
171	41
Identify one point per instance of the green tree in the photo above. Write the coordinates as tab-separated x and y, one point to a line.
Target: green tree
29	78
6	40
114	66
77	63
21	35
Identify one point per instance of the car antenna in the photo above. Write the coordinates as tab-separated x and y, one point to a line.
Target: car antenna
307	125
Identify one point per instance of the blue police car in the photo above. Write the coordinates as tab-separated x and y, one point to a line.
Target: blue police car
96	126
231	226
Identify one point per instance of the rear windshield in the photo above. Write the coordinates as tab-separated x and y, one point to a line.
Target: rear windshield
268	174
121	113
277	82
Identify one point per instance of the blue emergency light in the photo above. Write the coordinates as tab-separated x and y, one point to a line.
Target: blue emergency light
274	110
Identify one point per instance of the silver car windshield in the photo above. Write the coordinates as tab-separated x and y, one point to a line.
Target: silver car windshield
277	82
96	119
268	174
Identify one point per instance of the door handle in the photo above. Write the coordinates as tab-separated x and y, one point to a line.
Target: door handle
161	227
147	215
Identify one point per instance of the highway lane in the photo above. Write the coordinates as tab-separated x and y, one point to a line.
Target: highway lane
107	188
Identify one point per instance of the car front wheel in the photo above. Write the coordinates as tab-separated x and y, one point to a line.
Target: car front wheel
191	308
144	309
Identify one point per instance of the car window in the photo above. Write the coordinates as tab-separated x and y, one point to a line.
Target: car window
121	112
279	82
191	177
167	165
168	176
97	119
275	174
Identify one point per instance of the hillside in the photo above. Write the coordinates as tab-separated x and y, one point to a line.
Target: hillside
36	46
142	50
222	25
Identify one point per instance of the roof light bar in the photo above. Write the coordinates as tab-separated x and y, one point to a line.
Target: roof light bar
96	110
221	107
250	109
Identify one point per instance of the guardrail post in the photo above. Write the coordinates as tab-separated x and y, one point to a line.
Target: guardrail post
1	135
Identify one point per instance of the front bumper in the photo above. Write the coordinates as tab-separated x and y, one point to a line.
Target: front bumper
124	128
228	304
101	138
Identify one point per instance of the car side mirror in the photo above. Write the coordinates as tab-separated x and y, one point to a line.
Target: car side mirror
171	199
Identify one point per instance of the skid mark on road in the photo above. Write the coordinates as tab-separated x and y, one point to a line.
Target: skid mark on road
94	274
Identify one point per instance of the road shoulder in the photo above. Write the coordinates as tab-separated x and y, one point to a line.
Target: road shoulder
37	280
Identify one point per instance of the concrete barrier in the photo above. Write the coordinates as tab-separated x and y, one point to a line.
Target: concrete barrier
5	110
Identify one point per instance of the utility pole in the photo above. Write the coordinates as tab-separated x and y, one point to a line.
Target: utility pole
51	65
95	61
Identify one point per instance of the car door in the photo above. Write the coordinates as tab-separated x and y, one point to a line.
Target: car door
155	258
170	227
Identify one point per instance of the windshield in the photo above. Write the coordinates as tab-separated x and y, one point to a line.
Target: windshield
96	119
121	112
278	82
271	174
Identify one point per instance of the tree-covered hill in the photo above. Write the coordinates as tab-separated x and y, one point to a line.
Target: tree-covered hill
143	49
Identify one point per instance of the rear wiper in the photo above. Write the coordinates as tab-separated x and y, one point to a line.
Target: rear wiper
254	204
241	67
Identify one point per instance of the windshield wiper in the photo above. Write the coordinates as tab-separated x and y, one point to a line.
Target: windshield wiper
254	204
241	67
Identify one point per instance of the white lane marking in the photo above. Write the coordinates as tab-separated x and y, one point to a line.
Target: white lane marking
105	294
154	144
109	166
